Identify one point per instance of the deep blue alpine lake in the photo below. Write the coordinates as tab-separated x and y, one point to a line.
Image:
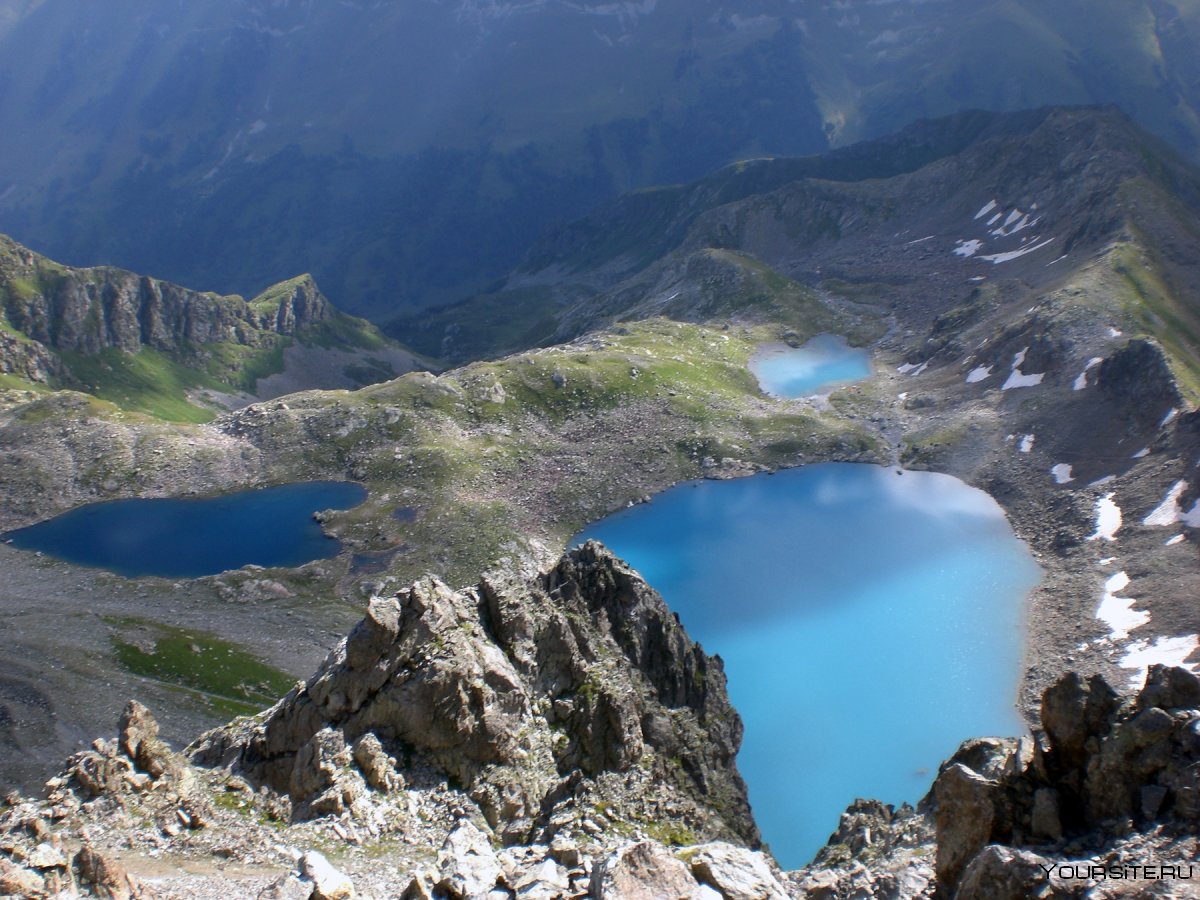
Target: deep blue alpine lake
190	538
869	622
825	362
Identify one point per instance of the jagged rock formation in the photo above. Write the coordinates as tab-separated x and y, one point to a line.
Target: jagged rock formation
440	702
540	697
88	310
1106	770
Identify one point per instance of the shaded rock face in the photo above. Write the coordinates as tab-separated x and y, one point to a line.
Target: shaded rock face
523	692
1105	769
89	310
1139	380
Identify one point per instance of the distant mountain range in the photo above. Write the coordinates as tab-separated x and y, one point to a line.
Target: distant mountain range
408	153
949	214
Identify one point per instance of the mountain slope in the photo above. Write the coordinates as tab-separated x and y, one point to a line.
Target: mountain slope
918	223
235	147
159	348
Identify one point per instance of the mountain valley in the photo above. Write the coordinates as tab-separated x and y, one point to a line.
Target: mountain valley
1026	284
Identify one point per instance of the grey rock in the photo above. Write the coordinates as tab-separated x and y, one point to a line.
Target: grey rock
644	871
327	882
965	817
1045	821
524	691
1002	873
737	873
1170	687
139	741
468	864
287	887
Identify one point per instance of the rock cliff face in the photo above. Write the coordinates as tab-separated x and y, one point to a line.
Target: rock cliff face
1107	771
88	310
542	698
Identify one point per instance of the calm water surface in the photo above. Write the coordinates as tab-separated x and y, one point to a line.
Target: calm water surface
195	537
820	365
869	623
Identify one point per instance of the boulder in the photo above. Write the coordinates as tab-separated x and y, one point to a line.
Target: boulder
737	873
1002	873
467	863
18	881
965	816
644	871
106	877
326	881
1170	687
377	767
139	741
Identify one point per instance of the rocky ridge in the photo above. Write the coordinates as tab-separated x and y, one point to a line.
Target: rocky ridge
175	353
88	310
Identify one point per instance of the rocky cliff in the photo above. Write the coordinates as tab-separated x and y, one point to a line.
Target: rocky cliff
1103	801
545	700
88	310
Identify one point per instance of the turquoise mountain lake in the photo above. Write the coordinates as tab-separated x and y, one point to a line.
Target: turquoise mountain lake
869	622
190	538
821	364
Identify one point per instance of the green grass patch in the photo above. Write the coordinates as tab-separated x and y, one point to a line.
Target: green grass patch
1158	312
232	679
146	381
13	383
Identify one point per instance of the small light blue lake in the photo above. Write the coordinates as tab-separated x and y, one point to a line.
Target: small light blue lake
190	538
869	622
824	363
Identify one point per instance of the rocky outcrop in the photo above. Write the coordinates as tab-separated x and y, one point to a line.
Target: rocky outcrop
53	308
1105	771
549	700
27	359
1138	379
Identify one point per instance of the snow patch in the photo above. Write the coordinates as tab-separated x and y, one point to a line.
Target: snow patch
997	258
968	248
1172	541
1165	651
978	374
1082	381
1168	418
1167	512
1191	518
1114	332
1027	442
1100	482
1145	451
1017	380
1108	519
1118	612
1062	473
987	208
